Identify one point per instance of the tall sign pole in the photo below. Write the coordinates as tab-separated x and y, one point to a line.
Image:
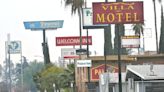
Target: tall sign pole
9	62
119	58
21	66
105	48
43	45
14	47
133	13
87	47
44	25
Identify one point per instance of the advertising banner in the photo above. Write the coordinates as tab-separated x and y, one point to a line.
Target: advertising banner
39	25
118	12
14	47
96	71
73	40
130	41
69	53
88	20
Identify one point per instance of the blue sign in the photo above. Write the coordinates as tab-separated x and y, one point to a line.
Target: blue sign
40	25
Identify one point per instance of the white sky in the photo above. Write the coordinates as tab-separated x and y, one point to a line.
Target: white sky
15	12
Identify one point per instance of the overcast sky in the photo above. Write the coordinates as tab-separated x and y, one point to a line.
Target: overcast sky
15	12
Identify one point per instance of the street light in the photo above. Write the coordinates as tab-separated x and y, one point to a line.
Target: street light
54	86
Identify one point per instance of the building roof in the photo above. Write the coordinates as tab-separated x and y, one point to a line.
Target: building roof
147	72
112	58
149	55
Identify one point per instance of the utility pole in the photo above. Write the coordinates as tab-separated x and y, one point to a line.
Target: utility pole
119	58
8	50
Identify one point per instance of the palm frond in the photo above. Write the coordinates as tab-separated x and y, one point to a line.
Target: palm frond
138	28
75	5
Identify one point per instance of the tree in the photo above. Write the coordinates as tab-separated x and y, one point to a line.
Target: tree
76	6
119	28
108	49
8	76
161	43
47	77
156	33
69	75
1	70
29	69
3	87
139	30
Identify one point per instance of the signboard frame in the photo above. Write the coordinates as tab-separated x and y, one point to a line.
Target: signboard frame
118	12
40	25
15	47
100	70
73	40
83	63
132	41
69	53
88	20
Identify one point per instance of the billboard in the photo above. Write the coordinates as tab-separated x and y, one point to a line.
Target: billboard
130	41
73	40
14	47
69	53
118	12
96	71
39	25
88	20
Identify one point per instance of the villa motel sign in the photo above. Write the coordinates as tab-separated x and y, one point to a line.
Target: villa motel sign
118	12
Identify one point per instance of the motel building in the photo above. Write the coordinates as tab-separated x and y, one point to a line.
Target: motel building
137	78
82	74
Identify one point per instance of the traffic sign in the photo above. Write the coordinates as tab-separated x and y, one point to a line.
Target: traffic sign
40	25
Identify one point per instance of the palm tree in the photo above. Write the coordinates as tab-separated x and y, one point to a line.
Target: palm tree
120	28
139	30
108	49
68	75
156	33
161	43
76	6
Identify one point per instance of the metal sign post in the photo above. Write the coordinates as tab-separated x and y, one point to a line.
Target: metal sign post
14	47
44	25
